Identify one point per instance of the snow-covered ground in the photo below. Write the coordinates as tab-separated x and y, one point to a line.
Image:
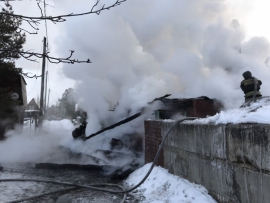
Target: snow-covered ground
161	187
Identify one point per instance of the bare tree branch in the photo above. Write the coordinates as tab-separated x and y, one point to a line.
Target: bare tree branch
27	75
40	9
46	4
20	29
34	22
62	18
19	71
30	55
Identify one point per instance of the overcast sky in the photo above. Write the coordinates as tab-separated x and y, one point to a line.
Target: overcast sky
145	49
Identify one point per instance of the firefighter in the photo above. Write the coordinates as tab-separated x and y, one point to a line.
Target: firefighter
84	117
250	86
80	131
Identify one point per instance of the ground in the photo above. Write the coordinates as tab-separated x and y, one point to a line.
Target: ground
16	190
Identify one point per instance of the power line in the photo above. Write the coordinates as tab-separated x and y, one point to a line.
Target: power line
56	100
36	74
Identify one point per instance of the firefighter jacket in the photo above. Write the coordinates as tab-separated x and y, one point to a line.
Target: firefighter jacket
248	87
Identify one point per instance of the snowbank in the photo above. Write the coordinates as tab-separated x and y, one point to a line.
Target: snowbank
161	186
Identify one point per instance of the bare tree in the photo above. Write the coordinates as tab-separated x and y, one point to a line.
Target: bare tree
34	22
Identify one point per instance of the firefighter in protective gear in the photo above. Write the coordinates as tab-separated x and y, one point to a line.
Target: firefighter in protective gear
79	132
250	86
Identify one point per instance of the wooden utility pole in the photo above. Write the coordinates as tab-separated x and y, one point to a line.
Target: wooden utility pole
42	80
45	106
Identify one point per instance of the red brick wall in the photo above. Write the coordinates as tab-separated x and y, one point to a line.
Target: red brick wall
202	108
152	140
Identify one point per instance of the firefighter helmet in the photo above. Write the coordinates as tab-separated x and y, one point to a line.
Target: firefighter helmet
247	74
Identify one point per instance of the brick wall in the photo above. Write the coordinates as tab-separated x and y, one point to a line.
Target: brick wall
153	138
203	108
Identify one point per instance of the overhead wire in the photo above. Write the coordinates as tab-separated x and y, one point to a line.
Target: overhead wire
53	97
47	45
56	100
36	74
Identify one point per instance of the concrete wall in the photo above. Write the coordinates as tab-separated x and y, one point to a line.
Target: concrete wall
231	161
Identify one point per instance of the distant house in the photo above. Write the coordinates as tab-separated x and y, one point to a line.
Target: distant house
32	109
32	105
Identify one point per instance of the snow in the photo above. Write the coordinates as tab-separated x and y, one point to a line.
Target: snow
161	186
31	110
256	112
15	190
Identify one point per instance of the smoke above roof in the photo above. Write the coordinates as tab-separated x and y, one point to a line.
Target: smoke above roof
141	50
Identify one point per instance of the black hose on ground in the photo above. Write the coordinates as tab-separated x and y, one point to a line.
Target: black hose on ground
97	186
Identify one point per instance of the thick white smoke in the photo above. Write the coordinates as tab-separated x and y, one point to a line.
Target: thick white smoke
145	49
36	146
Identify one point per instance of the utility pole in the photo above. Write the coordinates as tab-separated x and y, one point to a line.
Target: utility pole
45	107
48	98
42	81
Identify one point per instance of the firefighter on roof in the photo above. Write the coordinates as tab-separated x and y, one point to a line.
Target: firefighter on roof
250	86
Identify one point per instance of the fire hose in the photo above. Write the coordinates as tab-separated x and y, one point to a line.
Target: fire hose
125	120
116	124
98	186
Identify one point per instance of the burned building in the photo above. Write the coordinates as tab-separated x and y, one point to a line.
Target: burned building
13	100
16	85
191	107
